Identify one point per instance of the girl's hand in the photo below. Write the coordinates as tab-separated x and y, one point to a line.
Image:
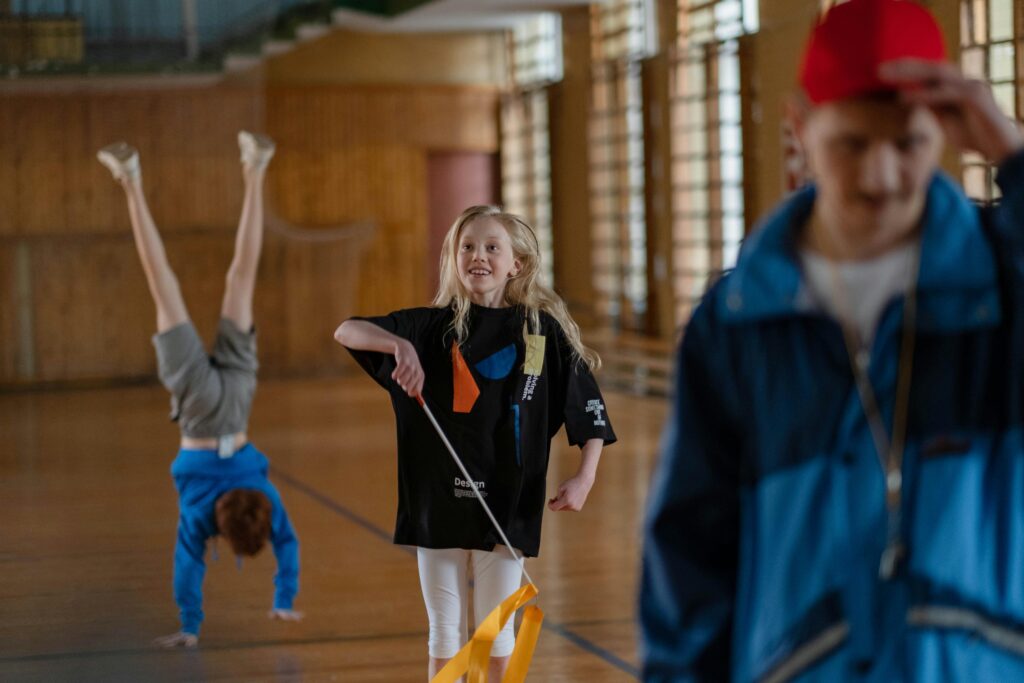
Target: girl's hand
572	494
408	373
179	639
965	107
285	615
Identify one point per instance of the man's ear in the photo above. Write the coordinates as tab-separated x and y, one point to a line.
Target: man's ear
797	111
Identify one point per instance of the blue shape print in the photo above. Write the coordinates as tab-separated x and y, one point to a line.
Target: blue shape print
498	365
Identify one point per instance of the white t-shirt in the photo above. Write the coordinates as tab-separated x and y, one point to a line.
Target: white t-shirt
868	285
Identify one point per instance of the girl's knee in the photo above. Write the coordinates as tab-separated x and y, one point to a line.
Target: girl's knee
446	638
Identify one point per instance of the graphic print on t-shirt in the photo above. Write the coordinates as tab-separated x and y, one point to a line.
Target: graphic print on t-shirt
498	365
465	390
534	365
464	490
504	434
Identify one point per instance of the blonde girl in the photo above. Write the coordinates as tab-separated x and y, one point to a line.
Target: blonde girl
500	361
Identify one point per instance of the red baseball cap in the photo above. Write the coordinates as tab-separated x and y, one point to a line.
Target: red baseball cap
854	38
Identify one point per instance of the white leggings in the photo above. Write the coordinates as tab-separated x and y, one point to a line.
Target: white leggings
443	578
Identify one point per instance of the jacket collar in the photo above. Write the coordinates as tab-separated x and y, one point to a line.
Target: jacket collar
957	285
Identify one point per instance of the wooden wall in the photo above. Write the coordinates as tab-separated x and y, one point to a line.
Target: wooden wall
569	107
350	57
351	153
73	300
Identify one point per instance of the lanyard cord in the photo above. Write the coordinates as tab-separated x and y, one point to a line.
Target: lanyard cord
890	452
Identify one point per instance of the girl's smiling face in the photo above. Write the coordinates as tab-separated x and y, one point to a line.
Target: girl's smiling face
486	261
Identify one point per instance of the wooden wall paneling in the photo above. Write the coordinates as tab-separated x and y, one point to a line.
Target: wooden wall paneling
91	310
340	58
465	119
382	184
10	151
750	115
94	316
393	271
569	102
40	179
78	152
310	315
344	155
131	117
947	14
10	337
660	316
434	117
392	112
107	119
305	289
776	53
172	165
201	260
217	176
270	317
196	156
288	191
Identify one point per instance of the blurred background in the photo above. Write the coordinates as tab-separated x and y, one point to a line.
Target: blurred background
642	138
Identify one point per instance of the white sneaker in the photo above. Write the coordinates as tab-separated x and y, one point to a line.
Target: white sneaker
257	150
122	159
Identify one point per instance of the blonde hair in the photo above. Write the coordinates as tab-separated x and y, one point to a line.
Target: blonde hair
525	290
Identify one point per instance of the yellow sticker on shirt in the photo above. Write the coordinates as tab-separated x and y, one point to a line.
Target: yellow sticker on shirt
534	364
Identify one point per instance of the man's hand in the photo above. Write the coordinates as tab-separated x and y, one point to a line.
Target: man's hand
965	106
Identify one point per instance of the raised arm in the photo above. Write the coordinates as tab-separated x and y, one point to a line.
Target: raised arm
362	335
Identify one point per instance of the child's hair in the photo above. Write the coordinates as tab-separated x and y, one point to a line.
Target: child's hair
524	290
243	517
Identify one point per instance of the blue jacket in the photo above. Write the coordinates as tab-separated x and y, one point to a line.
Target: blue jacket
767	516
201	478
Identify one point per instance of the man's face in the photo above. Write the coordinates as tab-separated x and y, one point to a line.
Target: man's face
872	159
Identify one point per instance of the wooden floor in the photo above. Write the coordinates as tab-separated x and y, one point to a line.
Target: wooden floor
89	514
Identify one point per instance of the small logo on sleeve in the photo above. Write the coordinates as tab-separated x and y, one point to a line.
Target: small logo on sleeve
595	407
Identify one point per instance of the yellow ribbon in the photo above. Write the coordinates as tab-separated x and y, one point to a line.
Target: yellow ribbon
474	657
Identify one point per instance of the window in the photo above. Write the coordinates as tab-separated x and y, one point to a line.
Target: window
708	219
990	49
622	34
535	48
526	166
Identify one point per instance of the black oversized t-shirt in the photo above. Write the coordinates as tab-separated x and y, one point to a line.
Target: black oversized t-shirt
500	397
